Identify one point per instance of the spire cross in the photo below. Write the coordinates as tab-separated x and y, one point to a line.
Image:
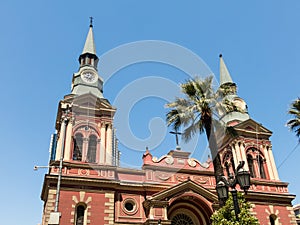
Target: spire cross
91	21
176	135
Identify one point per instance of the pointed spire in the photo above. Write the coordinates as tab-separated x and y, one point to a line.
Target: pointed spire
89	46
224	74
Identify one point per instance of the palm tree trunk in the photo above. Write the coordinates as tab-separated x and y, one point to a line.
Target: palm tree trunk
211	137
218	169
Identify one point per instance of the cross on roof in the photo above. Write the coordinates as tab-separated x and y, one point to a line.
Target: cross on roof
91	21
176	135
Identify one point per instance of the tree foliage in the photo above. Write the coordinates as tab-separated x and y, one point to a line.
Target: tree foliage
199	111
226	214
294	124
196	112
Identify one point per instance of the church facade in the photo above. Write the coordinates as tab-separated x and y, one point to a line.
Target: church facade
86	186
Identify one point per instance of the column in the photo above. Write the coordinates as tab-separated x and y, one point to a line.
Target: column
255	163
235	160
273	165
151	213
244	157
102	144
270	170
98	148
68	141
165	213
59	143
85	149
238	153
109	145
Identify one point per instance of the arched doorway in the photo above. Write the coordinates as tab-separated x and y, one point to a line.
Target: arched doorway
189	210
184	217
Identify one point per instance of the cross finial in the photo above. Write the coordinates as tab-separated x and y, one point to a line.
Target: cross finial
176	135
91	21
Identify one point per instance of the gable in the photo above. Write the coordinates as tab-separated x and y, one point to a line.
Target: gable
251	127
87	105
187	186
90	100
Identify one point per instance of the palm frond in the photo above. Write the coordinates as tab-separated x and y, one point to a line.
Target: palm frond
294	123
191	130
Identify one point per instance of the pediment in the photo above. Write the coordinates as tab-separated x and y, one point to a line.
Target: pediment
187	186
252	127
89	100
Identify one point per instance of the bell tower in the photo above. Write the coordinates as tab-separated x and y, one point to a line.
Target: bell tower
84	140
88	137
251	142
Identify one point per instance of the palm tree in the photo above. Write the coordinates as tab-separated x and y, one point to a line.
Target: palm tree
197	112
294	124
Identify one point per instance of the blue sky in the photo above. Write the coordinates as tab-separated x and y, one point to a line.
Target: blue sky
40	43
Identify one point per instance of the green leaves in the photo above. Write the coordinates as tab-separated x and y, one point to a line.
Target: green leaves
192	111
199	106
226	214
294	124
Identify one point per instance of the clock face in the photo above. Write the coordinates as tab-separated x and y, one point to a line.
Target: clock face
89	77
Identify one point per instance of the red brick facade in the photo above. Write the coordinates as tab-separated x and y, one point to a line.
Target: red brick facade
94	190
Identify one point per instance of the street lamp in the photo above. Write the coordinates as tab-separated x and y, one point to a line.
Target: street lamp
242	178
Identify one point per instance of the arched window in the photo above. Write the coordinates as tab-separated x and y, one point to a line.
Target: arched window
272	219
79	217
77	151
261	167
250	165
92	148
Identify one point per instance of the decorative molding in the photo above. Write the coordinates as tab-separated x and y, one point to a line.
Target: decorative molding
168	159
83	172
102	173
182	178
162	176
201	180
193	163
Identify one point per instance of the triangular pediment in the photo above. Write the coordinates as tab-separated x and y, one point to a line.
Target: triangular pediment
86	104
252	127
89	100
187	186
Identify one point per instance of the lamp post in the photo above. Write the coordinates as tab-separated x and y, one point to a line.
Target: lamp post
242	178
65	120
55	216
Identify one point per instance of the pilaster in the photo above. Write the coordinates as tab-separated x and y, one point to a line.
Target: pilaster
68	142
109	145
244	157
270	169
102	144
234	155
273	165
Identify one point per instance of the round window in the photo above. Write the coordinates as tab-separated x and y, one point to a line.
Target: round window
130	206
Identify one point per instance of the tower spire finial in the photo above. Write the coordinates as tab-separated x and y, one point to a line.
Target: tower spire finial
224	74
89	46
91	21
